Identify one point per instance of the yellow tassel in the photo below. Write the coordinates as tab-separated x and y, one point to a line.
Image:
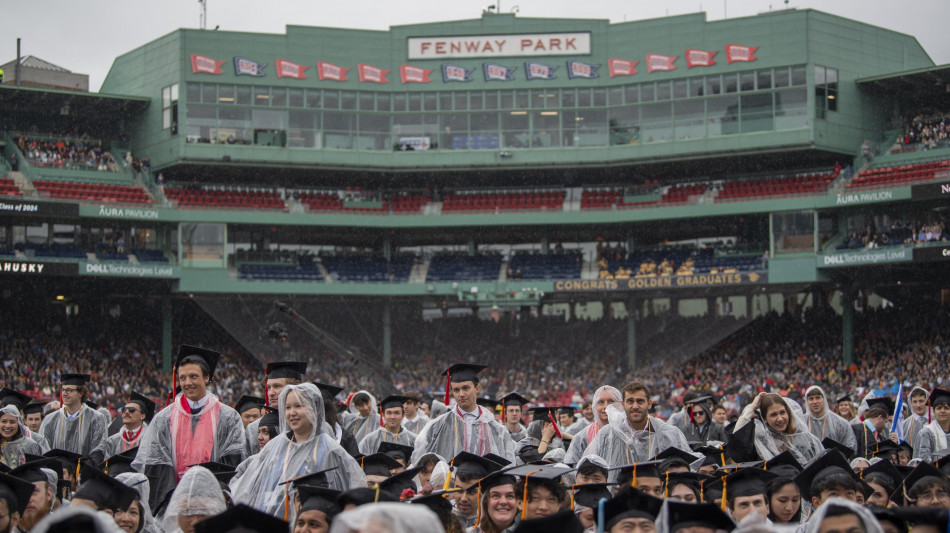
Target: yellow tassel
723	505
666	488
376	499
633	480
478	500
77	471
702	495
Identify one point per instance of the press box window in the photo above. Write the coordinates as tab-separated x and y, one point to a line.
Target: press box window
170	108
826	90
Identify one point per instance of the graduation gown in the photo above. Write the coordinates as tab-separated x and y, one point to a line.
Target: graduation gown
912	426
157	457
370	443
711	430
520	434
865	441
116	444
619	445
39	440
80	434
416	425
361	426
931	438
450	434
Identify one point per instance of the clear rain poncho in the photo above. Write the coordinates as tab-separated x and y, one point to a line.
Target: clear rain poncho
81	434
387	517
258	482
768	443
361	426
830	425
582	440
197	494
11	452
450	434
619	445
370	443
871	525
914	422
140	483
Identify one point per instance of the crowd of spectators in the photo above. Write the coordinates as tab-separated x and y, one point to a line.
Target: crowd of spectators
900	231
544	358
70	151
930	129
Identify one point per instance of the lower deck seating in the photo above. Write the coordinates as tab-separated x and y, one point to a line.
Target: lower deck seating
226	199
9	188
92	192
896	175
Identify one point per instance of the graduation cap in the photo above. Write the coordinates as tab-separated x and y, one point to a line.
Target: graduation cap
943	463
542	413
513	399
473	466
92	404
285	369
564	522
488	403
147	405
462	372
675	453
784	465
207	359
736	466
530	455
33	407
701	399
435	500
845	398
30	470
392	401
241	518
746	482
316	479
630	503
246	403
496	479
886	449
398	483
76	380
628	474
16	492
905	447
694	480
831	444
222	472
102	489
885	469
14	397
714	456
67	459
935	517
396	451
329	391
270	419
682	515
120	463
318	499
920	472
829	463
378	464
497	459
589	494
363	495
884	402
938	396
566	410
594	461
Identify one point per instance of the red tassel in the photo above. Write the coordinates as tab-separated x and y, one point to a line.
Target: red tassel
557	431
448	387
381	416
690	414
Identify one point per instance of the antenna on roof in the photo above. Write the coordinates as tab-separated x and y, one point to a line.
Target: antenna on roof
204	14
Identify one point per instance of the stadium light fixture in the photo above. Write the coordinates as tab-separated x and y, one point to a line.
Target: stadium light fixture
549	113
60	298
519	112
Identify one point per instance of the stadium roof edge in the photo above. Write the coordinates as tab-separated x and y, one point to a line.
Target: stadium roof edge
942	71
80	94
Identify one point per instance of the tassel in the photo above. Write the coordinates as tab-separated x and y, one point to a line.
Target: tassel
524	497
666	487
723	505
381	416
765	466
557	431
478	499
722	458
448	387
376	498
633	481
286	502
929	410
77	470
573	487
448	478
702	495
106	469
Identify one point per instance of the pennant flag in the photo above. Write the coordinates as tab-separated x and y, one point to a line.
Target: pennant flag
205	65
456	73
897	427
411	74
289	69
700	58
539	71
245	67
369	73
329	71
496	72
660	62
621	67
576	69
737	52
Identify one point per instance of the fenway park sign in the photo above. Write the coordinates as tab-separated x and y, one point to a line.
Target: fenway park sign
528	44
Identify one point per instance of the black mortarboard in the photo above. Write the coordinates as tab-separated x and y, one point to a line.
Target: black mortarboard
30	471
542	413
590	494
943	463
938	396
845	398
392	401
565	410
674	452
692	478
316	479
16	491
563	522
529	454
488	403
497	459
462	372
396	451
66	458
286	369
701	399
241	518
207	359
594	461
736	466
710	515
883	514
319	499
921	471
14	397
147	405
92	404
714	456
886	449
627	473
514	399
435	500
99	487
379	464
831	444
75	380
496	479
397	483
120	463
747	482
630	503
936	517
830	462
545	474
906	447
247	402
328	390
222	472
884	402
784	465
33	407
363	495
472	466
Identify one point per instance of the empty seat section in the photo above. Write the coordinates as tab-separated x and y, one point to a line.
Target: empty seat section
367	268
9	188
464	267
225	199
550	266
92	192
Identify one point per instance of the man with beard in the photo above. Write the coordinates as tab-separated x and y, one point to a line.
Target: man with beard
827	425
14	498
136	414
40	473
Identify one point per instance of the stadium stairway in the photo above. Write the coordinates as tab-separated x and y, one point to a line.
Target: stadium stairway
419	272
590	270
24	184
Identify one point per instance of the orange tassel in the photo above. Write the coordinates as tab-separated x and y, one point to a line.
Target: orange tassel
524	498
478	499
286	502
702	495
723	505
633	481
722	458
448	478
77	470
666	487
572	496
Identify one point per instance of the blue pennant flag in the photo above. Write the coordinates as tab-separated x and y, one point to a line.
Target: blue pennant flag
539	71
245	67
496	72
576	69
456	73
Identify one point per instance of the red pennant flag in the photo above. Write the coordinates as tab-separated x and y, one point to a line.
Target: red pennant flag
700	58
737	52
369	73
289	69
329	71
411	74
621	67
205	65
660	62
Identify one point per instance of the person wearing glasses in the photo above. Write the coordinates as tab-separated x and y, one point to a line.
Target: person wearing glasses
136	414
700	426
74	427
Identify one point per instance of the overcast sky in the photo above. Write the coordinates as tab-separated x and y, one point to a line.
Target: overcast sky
86	35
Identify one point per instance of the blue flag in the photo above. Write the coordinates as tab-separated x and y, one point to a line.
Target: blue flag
897	427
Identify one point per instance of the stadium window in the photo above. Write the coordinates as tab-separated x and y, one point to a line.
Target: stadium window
226	94
764	79
314	98
697	87
347	100
713	85
445	101
475	100
170	108
679	88
331	99
523	100
415	102
399	102
663	91
747	81
278	96
209	93
616	96
383	102
798	76
192	93
647	92
262	96
781	77
430	102
826	90
600	98
295	98
729	83
569	98
366	101
631	94
243	95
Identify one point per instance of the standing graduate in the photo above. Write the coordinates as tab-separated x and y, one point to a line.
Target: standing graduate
920	414
363	418
392	430
136	414
825	424
934	436
277	375
74	427
29	412
513	406
468	426
414	419
195	428
14	443
604	396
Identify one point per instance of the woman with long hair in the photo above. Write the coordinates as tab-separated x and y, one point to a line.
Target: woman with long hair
14	442
773	424
785	501
501	504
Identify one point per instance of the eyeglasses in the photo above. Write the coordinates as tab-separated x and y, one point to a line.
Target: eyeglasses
698	413
934	496
130	410
69	390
